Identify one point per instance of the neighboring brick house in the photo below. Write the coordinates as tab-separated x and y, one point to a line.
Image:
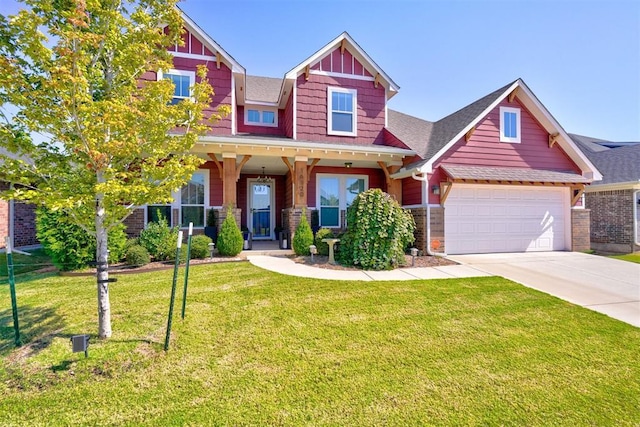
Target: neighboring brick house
499	175
615	201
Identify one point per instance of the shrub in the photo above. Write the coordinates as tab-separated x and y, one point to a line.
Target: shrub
323	247
303	237
137	255
200	246
159	239
230	239
378	231
69	246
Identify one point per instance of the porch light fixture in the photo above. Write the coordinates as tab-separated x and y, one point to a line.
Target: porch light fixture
347	164
435	189
262	179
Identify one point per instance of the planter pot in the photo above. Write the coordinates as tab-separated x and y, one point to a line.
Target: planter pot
212	233
248	240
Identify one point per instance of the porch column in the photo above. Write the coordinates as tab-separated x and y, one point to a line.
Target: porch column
300	182
394	186
229	180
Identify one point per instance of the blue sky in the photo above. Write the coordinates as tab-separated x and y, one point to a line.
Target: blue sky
581	58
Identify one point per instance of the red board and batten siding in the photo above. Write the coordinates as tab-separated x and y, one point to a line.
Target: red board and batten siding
485	149
376	179
312	110
220	79
343	63
191	44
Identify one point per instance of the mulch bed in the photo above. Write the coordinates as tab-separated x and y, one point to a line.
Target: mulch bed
321	261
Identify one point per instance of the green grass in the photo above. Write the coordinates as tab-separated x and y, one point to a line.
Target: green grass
258	348
634	257
24	263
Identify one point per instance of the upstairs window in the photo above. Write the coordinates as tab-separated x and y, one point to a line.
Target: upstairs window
182	82
510	125
341	111
261	117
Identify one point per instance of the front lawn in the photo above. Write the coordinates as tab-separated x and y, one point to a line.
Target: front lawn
634	257
24	263
258	348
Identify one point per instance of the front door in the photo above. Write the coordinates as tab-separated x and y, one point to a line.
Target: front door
261	209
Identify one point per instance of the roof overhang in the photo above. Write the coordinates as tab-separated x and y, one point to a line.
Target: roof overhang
464	173
542	115
630	185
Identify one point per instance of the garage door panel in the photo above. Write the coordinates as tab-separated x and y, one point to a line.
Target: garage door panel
491	218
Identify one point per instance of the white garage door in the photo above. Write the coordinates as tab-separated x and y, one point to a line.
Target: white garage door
501	218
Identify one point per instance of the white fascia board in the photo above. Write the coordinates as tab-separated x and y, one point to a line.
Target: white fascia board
288	143
428	167
630	185
357	51
551	125
261	103
211	44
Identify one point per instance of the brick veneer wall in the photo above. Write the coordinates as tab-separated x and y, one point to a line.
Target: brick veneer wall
580	230
611	220
437	228
134	223
24	225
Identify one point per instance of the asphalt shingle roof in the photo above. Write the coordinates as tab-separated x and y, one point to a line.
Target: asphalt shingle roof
264	89
621	164
511	174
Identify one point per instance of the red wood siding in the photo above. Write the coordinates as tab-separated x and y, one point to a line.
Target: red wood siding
220	79
312	110
215	184
435	178
485	149
342	63
261	130
376	179
288	118
411	191
192	45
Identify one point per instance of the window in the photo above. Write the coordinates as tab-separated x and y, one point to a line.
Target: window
192	201
335	194
155	212
182	82
261	117
509	124
341	111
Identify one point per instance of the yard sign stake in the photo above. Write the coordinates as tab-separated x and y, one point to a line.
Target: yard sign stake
186	271
12	286
173	290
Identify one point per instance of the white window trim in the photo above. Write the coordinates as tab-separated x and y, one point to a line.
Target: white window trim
342	203
354	118
261	109
177	201
190	74
503	138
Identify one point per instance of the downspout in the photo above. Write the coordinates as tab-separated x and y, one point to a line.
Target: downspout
636	197
424	178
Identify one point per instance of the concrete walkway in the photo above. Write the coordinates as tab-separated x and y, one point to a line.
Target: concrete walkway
602	284
287	266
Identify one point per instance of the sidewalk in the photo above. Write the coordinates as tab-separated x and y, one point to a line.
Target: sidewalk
287	266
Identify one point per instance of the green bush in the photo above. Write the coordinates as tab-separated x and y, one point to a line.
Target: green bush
323	247
200	246
378	232
230	240
159	239
303	237
69	246
137	255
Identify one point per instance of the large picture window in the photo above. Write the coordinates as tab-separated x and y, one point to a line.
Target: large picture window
335	194
341	111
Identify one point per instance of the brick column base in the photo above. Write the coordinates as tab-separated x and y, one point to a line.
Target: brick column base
437	228
580	230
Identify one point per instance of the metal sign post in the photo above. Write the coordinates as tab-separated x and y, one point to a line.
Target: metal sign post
12	287
173	290
186	271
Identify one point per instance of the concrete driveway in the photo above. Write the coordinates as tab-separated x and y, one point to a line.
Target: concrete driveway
605	285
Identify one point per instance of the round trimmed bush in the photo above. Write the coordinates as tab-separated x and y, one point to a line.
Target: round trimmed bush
230	240
379	230
137	256
323	247
200	246
303	237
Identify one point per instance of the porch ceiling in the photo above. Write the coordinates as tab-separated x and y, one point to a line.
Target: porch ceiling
268	154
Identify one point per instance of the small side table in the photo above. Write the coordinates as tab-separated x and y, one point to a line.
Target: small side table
331	242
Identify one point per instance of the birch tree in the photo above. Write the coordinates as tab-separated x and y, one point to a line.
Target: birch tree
87	126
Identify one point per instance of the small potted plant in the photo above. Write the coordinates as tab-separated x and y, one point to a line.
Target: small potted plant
211	229
247	237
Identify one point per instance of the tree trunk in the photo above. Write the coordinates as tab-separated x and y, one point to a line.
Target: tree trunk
104	306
